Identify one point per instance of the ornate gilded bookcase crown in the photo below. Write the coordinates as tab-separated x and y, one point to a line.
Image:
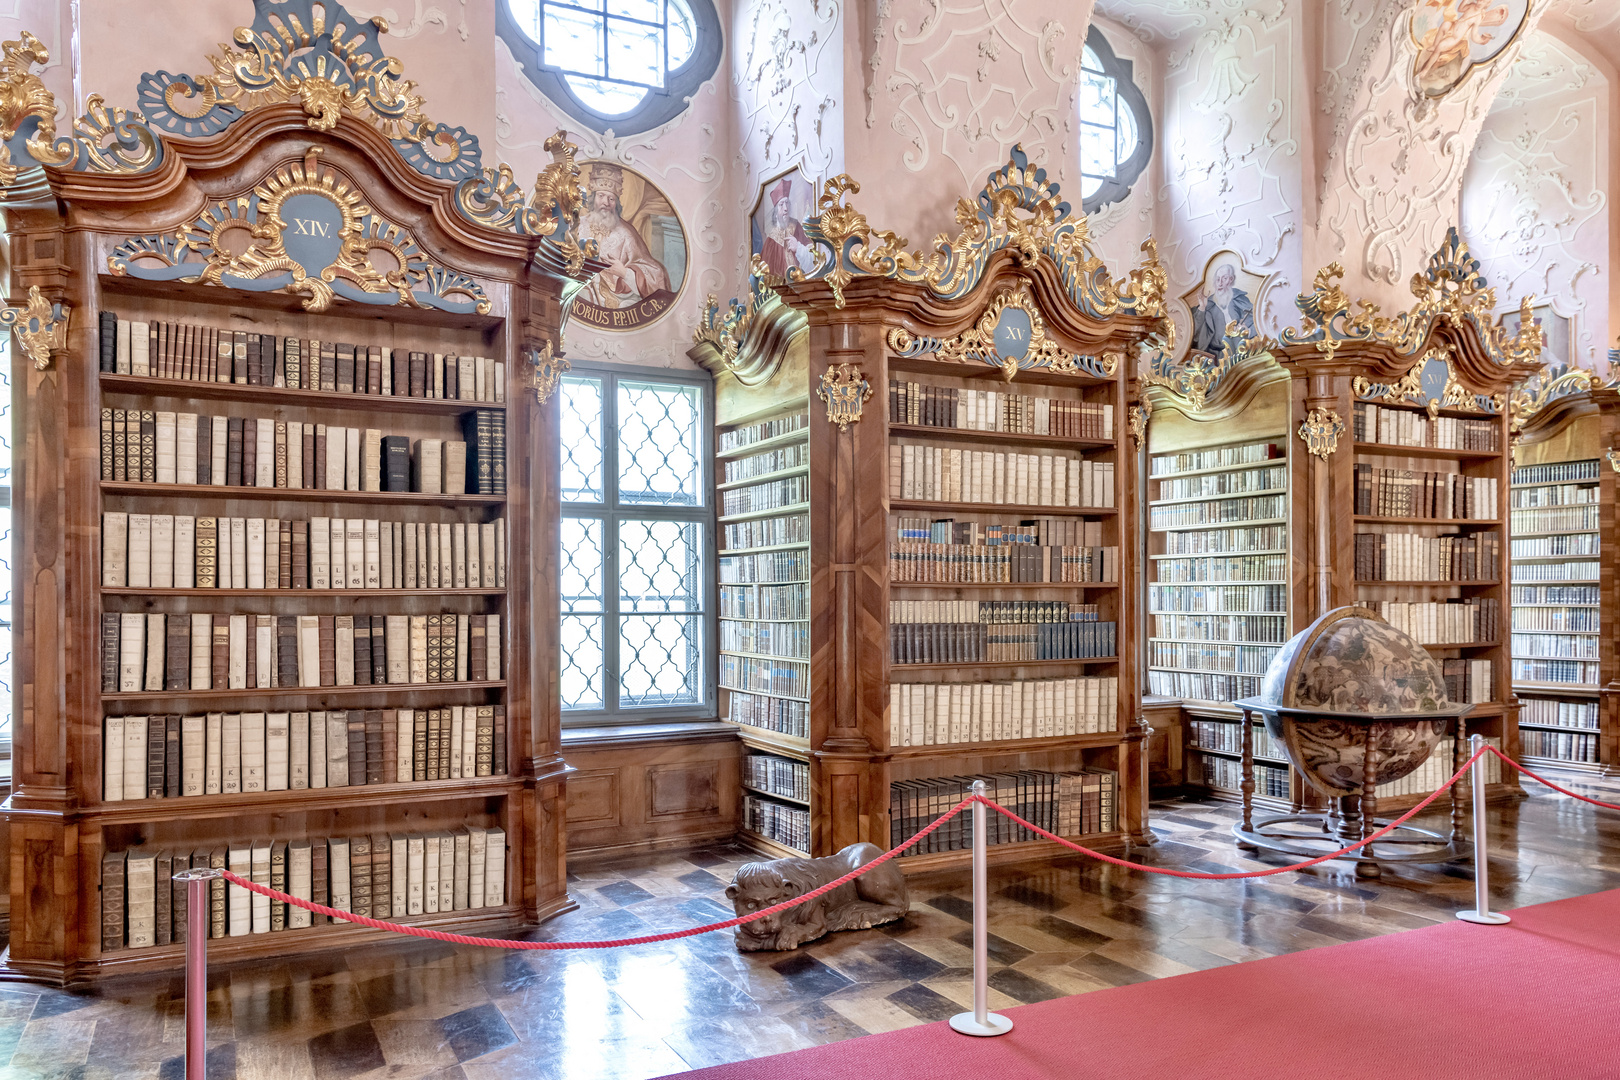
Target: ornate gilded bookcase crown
316	54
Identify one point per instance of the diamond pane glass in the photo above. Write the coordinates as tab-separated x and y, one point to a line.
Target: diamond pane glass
636	52
1096	150
573	39
581	565
660	443
581	439
682	33
580	681
645	10
660	660
607	98
660	566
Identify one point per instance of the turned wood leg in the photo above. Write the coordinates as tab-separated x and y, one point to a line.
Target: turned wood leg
1459	754
1369	800
1248	777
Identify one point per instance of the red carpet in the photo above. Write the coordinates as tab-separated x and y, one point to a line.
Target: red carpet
1539	998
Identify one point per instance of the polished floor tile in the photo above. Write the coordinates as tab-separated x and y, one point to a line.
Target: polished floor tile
430	1011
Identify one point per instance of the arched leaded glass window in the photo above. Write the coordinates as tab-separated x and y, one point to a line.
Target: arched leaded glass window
1116	128
628	65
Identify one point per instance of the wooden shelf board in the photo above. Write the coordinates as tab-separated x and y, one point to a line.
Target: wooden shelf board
1587	607
1267	614
302	593
138	811
765	693
739	618
1221	554
1219	498
1577	689
799	436
1460	645
1561	633
1208	671
966	664
1001	508
1214	641
308	495
1569	659
764	478
1004	584
1376	519
765	656
776	795
278	395
1439	453
1218	584
796	545
1560	727
776	742
766	846
974	372
1008	746
775	511
160	697
1238	755
1001	854
1444	584
1517	535
1016	438
1207	525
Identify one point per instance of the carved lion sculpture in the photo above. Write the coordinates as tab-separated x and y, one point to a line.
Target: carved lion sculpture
870	900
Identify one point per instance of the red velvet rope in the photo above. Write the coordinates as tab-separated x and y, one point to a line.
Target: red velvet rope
499	943
1549	783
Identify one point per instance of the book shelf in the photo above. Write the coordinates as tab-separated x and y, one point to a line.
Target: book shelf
232	635
1403	488
1562	524
1220	576
973	528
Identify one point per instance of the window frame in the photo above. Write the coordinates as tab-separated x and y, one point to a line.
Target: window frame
1129	171
660	106
609	511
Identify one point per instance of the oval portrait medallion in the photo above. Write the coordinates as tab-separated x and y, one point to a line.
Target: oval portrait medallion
640	238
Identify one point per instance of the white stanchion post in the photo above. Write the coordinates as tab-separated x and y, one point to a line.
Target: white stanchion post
981	1021
1482	912
197	882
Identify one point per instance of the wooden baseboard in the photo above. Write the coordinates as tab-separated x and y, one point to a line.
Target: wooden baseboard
682	842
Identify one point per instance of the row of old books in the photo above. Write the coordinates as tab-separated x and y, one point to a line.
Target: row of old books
1218	511
996	477
173	756
1405	427
777	776
935	714
1021	564
1552	547
991	611
1212	570
1219	457
998	410
761	676
162	447
782	822
1202	685
180	551
783	457
1570	714
1548	498
765	601
1064	803
1227	737
770	495
1211	656
1220	484
1415	493
1571	672
1409	557
1556	646
1438	768
1228	541
1226	774
1169	598
771	567
1265	629
791	639
1573	570
1561	472
383	876
143	652
998	643
737	438
1034	532
1559	745
765	532
1562	595
188	351
1447	622
1570	620
782	715
1469	682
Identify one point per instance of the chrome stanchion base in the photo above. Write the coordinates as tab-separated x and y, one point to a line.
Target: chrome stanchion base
994	1024
1490	918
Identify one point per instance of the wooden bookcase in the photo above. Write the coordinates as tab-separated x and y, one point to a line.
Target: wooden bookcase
1219	571
873	325
421	249
1448	363
1564	563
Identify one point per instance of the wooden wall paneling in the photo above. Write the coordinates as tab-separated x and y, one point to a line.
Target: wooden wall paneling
644	794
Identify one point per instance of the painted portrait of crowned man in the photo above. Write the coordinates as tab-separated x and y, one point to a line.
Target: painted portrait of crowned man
1221	305
785	244
632	273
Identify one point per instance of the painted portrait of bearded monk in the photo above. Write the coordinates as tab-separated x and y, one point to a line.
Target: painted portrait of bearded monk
645	255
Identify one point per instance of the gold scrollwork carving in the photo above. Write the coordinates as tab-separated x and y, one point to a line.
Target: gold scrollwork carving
546	370
1321	431
23	94
1613	457
41	327
845	390
1139	417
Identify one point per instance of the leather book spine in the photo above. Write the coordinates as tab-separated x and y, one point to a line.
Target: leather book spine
156	756
328	366
108	341
345	367
113	899
362	650
109	652
163	899
177	654
418	375
148	431
328	658
498	763
357	747
377	758
379	651
171	757
106	443
374	369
